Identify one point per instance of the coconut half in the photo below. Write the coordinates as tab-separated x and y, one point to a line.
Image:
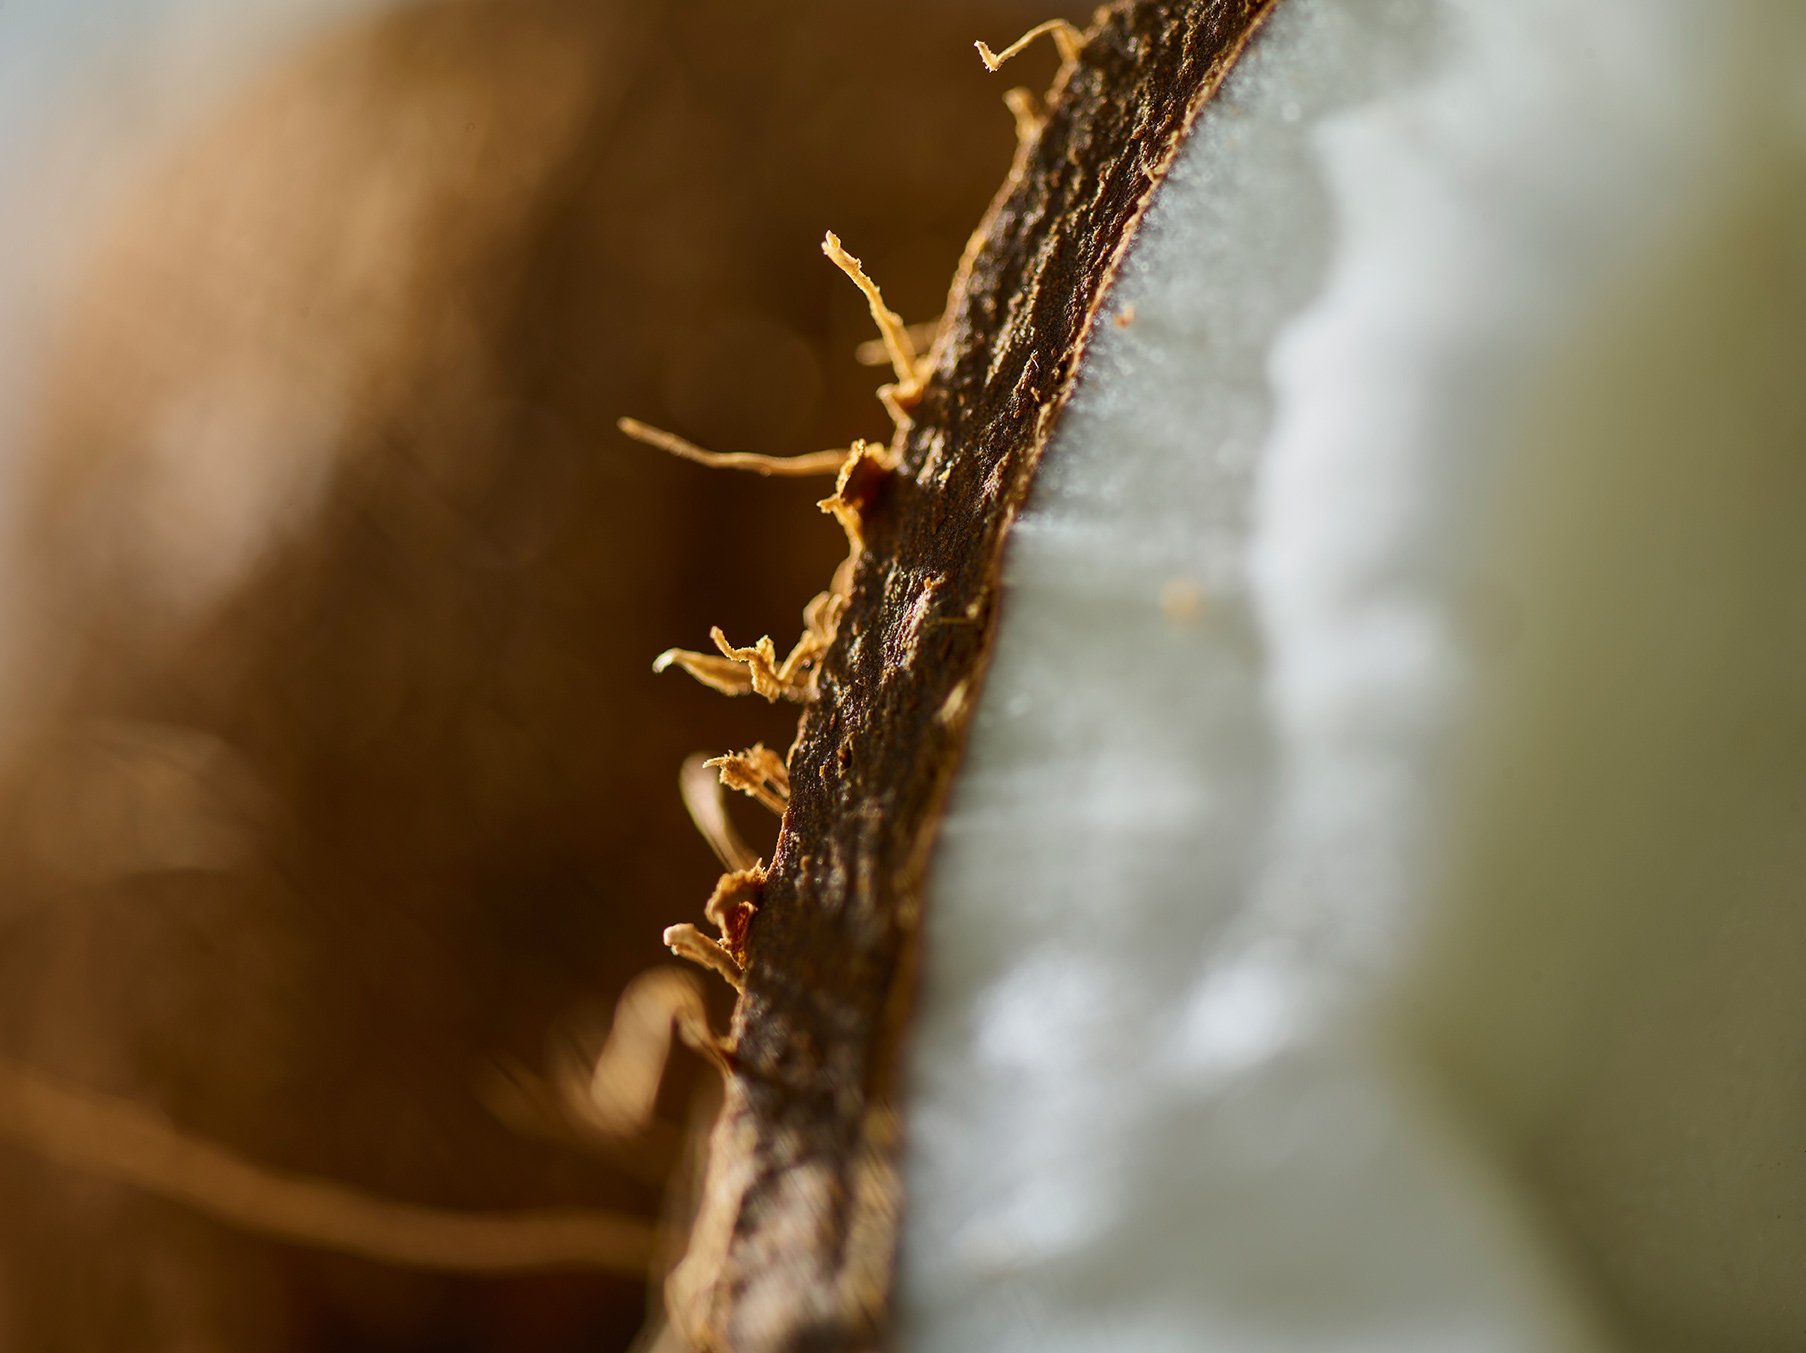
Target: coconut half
1357	511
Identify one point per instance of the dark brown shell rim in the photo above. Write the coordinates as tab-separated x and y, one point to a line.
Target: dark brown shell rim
796	1238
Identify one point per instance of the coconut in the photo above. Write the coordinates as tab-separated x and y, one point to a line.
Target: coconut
1294	840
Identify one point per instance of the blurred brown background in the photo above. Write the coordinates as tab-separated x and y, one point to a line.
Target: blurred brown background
334	773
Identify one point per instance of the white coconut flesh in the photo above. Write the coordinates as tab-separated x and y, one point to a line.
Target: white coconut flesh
1372	910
